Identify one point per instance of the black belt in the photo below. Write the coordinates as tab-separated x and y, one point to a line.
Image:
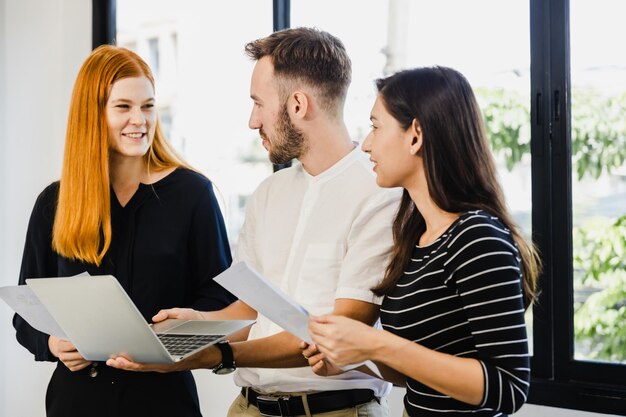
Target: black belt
319	402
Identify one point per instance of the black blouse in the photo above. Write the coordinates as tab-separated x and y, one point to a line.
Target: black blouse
168	243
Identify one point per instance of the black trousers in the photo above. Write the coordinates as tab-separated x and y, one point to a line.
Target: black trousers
115	393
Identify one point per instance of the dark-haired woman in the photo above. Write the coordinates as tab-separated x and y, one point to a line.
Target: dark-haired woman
460	275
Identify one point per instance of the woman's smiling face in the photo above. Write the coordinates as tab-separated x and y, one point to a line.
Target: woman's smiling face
131	116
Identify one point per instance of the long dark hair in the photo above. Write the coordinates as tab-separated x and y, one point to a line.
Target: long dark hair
459	167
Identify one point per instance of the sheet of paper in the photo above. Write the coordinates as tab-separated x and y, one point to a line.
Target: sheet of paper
266	298
25	303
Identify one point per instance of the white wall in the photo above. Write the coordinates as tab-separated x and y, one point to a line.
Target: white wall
42	44
3	216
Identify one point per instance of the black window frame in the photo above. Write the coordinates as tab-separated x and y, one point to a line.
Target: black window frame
558	380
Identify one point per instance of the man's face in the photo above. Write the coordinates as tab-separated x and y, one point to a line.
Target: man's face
269	114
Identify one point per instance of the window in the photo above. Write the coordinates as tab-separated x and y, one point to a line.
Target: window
153	56
566	187
202	87
599	180
577	157
381	42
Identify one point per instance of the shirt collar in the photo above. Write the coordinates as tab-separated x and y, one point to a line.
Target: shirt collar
335	169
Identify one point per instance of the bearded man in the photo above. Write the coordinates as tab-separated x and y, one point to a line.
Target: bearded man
320	230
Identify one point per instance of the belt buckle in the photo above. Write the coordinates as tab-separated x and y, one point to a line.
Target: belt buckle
282	403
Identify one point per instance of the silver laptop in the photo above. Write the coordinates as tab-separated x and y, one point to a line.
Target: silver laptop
100	319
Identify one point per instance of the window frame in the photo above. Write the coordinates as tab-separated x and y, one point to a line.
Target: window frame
558	380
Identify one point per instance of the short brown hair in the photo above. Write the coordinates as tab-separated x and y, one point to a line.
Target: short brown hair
310	55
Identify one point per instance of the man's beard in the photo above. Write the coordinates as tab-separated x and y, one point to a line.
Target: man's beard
288	142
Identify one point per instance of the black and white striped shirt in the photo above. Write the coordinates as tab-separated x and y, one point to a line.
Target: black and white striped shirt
462	295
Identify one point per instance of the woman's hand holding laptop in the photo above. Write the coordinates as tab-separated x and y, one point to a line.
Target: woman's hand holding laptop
67	353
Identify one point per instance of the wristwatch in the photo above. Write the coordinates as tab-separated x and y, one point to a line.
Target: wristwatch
228	361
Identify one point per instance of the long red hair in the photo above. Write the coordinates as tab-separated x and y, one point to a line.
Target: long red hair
82	224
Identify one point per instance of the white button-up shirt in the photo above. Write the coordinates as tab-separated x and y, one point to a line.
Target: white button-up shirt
319	238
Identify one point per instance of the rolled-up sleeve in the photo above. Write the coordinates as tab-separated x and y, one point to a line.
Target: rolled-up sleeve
368	248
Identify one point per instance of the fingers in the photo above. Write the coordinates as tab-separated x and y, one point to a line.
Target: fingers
120	362
59	346
323	350
319	368
68	356
316	328
313	356
314	359
303	346
309	351
177	313
329	318
80	365
330	355
165	314
324	367
76	365
318	365
322	336
323	325
53	342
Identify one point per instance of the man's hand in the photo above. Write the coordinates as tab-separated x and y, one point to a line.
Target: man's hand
207	358
318	362
343	341
236	311
67	353
178	313
121	362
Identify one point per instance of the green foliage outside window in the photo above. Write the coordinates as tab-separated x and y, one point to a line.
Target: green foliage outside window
598	147
600	265
598	133
507	119
598	129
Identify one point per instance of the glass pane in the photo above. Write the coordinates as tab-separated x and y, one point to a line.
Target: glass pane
203	87
599	178
493	53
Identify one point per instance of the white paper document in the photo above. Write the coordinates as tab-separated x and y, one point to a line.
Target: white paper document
24	302
266	298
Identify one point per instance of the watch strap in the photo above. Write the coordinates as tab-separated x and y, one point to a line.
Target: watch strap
228	360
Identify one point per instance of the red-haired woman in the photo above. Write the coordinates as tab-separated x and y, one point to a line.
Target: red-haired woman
460	275
128	206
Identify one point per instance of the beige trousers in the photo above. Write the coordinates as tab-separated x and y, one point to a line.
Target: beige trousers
241	408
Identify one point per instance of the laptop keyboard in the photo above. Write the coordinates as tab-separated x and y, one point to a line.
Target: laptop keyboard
182	344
